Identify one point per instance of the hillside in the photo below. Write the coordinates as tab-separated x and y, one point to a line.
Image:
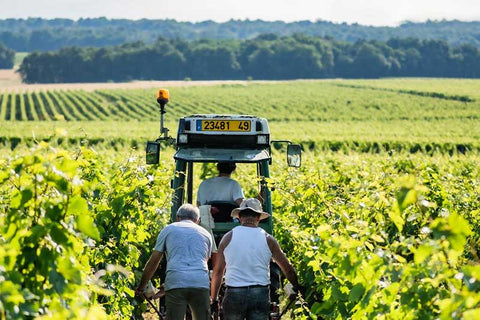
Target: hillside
41	34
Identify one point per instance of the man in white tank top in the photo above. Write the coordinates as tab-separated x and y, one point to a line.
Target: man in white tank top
244	254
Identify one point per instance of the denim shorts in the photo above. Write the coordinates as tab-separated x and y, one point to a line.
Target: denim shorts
250	303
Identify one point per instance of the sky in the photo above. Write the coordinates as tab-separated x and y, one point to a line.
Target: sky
365	12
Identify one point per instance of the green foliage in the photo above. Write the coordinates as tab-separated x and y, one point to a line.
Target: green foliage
75	228
384	224
7	57
370	241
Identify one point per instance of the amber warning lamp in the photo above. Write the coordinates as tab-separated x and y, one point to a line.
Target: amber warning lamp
162	97
153	147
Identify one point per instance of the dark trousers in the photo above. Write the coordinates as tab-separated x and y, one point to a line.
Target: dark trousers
250	303
198	299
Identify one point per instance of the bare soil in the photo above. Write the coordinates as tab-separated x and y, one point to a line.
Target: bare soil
9	78
11	81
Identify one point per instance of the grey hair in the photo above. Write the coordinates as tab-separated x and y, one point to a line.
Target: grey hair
188	211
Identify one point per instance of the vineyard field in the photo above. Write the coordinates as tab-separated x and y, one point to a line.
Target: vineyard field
381	221
369	234
314	135
418	99
400	114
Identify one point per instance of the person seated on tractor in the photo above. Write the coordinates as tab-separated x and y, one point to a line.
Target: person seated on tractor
221	188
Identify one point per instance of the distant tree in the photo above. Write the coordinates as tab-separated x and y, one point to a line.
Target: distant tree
410	60
344	66
324	48
267	37
404	43
38	67
467	61
74	65
15	40
210	61
169	65
258	64
103	62
43	39
268	57
435	58
369	62
295	60
6	57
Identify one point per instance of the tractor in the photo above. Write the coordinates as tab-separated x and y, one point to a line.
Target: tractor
213	138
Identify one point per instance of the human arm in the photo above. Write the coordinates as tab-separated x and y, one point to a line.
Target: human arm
282	261
219	267
149	270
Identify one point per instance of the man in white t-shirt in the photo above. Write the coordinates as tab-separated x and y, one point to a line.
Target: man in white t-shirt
220	188
187	247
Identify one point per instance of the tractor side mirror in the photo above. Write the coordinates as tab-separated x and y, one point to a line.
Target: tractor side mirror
294	155
153	152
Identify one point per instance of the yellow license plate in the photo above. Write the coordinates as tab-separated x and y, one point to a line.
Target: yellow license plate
224	125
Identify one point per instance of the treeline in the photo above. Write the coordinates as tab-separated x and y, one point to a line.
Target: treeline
265	57
32	34
7	57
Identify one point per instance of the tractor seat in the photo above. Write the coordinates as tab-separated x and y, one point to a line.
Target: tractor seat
221	210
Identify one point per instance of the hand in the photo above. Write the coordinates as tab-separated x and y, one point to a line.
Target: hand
140	292
299	289
292	291
160	293
214	307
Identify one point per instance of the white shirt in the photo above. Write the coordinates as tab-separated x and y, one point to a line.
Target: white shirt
219	189
187	247
247	258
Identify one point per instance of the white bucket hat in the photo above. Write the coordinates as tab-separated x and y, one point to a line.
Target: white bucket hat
250	204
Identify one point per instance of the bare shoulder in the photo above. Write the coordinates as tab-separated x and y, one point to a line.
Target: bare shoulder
225	240
227	236
270	238
272	242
